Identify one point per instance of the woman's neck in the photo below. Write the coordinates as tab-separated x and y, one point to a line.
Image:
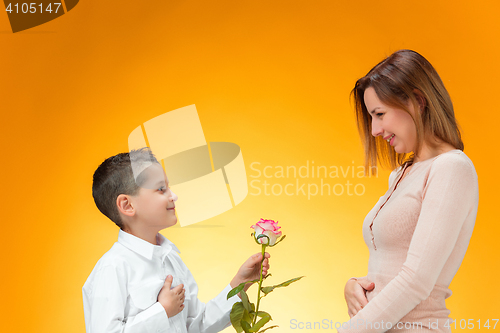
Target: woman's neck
427	152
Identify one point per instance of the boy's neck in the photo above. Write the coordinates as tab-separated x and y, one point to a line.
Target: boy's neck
149	236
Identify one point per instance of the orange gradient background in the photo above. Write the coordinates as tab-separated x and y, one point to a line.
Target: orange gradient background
271	76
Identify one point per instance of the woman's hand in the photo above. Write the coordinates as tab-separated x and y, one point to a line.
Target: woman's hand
355	294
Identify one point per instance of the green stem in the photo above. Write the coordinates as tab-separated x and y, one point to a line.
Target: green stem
260	283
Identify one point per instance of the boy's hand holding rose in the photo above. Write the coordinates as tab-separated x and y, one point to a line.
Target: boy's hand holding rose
250	270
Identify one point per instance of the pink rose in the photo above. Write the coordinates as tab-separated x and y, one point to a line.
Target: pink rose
268	228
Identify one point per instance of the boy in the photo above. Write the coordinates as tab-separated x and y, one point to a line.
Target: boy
141	284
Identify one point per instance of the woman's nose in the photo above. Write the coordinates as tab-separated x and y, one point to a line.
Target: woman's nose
376	129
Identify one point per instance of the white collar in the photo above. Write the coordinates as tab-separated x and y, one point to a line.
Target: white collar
144	248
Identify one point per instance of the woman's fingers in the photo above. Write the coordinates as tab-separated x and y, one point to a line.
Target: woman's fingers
361	298
366	284
355	295
353	309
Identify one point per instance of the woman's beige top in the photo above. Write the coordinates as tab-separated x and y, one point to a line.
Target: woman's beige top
417	235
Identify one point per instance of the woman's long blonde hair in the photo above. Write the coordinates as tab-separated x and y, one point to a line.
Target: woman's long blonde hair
405	76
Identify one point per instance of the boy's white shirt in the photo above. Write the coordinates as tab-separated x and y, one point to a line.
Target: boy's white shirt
120	295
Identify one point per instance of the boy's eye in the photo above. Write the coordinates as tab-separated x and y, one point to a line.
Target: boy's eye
162	189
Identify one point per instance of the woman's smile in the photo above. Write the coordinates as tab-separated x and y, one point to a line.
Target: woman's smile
389	122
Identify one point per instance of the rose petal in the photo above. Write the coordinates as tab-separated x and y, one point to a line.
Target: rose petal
272	237
258	230
266	225
272	225
269	228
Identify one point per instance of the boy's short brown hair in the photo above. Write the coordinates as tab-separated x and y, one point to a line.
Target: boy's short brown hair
114	177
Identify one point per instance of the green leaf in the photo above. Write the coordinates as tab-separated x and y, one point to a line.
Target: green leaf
265	317
248	317
267	290
239	288
265	329
236	315
263	314
236	290
244	300
246	326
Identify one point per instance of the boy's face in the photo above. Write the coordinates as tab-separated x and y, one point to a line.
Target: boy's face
155	203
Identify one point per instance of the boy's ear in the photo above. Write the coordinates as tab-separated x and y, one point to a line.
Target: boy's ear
421	99
125	205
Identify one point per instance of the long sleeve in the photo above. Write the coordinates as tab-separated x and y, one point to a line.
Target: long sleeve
105	302
444	226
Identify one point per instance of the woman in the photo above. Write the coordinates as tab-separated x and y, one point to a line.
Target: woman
418	232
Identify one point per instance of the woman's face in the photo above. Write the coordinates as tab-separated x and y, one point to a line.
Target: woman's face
394	125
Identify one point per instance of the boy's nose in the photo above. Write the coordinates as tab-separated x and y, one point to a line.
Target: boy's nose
174	196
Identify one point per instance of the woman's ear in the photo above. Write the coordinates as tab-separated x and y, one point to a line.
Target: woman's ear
422	102
124	204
